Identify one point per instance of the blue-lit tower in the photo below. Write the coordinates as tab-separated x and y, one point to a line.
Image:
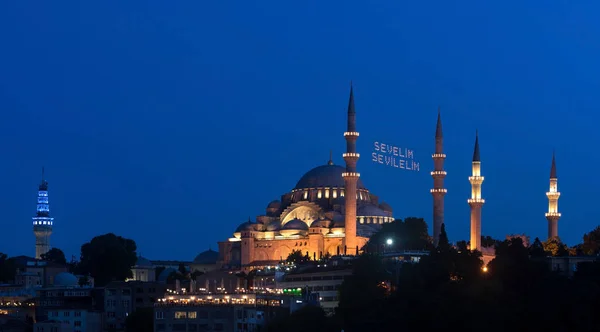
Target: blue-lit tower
42	222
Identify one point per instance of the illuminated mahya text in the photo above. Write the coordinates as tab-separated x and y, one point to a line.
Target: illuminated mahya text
394	156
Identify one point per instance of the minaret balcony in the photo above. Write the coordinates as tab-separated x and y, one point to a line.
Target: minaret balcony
553	195
553	214
351	155
350	175
476	179
438	190
476	201
351	133
438	173
438	156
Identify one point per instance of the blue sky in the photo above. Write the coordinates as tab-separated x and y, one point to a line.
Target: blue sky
172	122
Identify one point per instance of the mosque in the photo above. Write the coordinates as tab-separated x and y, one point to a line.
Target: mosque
329	211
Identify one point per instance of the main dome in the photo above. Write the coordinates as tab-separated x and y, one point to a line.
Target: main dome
323	177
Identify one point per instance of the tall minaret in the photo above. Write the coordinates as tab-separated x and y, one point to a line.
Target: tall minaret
42	222
438	175
476	202
553	215
350	178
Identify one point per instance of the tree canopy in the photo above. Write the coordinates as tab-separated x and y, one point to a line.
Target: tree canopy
108	258
55	255
408	234
591	242
297	257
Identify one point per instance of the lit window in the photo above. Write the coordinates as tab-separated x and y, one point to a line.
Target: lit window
326	193
334	193
305	194
180	315
192	315
319	194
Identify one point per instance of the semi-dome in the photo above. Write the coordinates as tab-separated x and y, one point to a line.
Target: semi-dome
325	176
66	279
207	257
143	262
295	224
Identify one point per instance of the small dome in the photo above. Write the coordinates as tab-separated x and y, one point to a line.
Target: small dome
385	207
339	224
247	226
295	224
207	257
66	279
371	211
273	226
165	274
274	205
325	176
143	262
322	223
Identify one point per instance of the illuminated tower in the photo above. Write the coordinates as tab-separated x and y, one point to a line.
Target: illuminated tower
476	202
553	215
42	222
438	175
351	178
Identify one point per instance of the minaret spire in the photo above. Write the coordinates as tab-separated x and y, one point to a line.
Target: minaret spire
438	192
476	202
351	178
330	162
42	222
553	195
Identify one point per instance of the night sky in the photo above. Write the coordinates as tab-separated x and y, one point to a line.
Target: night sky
171	122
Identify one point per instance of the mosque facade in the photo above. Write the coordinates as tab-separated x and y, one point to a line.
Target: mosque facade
329	211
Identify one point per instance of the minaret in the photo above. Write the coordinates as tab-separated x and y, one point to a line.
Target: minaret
438	175
553	195
350	178
42	222
476	202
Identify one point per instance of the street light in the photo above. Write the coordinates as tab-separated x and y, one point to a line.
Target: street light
485	269
389	242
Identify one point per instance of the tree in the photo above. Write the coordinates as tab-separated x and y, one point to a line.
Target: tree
537	249
488	241
8	269
591	242
55	255
157	271
108	257
443	243
408	234
297	257
554	247
141	320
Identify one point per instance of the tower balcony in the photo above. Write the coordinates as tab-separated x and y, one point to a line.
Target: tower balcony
438	190
351	134
553	214
350	175
553	195
438	156
476	179
476	201
438	173
351	155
